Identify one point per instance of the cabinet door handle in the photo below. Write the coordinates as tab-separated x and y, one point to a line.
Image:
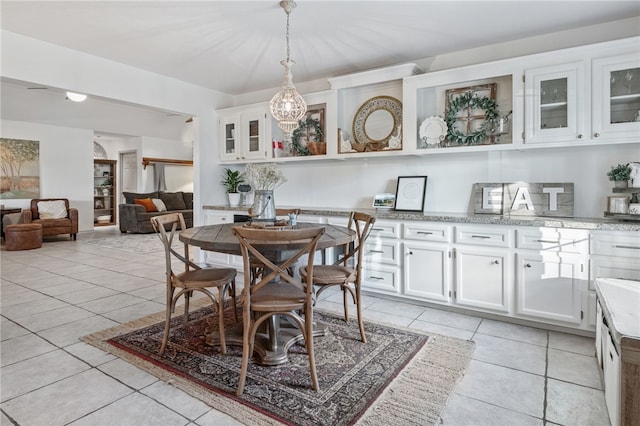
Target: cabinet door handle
484	237
376	278
377	229
410	252
496	262
376	251
547	241
596	135
629	247
424	233
527	265
580	136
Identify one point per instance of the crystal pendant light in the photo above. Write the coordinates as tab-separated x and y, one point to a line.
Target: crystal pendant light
287	106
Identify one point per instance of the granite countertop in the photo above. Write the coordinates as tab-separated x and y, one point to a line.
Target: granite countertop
604	224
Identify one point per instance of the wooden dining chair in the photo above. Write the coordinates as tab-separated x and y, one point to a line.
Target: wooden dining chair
256	266
346	272
277	292
193	278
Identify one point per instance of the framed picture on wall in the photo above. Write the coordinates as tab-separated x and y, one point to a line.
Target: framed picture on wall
410	193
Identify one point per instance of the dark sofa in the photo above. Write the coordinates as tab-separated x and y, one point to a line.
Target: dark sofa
135	218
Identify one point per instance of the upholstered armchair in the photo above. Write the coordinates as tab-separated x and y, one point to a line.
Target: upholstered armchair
54	215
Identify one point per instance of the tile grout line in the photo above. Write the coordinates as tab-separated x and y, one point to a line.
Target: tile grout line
546	382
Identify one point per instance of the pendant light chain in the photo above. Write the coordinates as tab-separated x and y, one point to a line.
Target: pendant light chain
287	106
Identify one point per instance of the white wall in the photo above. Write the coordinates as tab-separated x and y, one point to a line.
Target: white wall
66	168
353	183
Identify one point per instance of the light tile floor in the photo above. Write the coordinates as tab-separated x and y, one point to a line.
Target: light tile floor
52	296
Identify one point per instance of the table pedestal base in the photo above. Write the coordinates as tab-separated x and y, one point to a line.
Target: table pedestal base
269	351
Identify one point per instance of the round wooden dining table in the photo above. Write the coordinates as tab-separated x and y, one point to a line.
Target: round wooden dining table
272	344
219	238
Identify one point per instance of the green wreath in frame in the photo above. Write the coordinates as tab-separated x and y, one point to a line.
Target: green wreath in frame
303	127
469	101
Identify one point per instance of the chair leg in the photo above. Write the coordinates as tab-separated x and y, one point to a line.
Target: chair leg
165	336
344	303
185	319
223	346
167	322
308	323
246	350
233	297
359	310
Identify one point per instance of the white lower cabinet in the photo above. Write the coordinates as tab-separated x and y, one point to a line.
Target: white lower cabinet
483	278
550	286
614	255
427	271
611	361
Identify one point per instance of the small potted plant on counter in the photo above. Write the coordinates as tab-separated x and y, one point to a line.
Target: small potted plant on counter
620	175
231	180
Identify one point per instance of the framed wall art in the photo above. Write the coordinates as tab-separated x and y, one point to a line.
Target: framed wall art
19	169
309	137
410	193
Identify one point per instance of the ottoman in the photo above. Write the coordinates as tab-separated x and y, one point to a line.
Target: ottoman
23	236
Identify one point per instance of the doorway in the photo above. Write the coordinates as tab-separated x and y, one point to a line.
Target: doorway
128	172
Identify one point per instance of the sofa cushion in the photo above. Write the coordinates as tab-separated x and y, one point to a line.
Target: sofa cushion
188	199
52	209
130	196
173	200
160	206
148	205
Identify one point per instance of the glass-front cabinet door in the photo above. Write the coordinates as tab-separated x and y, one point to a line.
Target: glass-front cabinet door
254	134
554	103
242	135
229	129
616	97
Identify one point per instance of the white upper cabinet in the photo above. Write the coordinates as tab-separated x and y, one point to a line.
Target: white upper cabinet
477	107
616	97
555	103
243	135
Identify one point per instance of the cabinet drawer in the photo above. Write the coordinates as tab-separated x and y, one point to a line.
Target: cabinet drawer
494	237
378	250
381	279
616	244
551	239
385	229
427	232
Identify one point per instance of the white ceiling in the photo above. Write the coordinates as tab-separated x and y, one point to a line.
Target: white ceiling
235	46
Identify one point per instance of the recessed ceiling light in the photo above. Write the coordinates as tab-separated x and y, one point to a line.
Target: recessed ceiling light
76	97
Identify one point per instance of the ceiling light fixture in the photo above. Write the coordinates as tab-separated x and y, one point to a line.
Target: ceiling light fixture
76	97
287	106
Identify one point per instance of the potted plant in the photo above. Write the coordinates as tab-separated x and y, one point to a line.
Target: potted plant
620	175
231	180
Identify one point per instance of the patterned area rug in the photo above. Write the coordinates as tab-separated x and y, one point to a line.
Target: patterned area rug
399	377
135	243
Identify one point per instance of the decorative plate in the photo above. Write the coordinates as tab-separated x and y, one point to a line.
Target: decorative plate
387	122
433	130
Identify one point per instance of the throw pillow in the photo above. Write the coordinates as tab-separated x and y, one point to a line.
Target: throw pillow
146	203
188	199
173	200
130	196
56	209
159	204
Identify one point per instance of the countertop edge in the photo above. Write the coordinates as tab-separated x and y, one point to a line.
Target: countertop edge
598	224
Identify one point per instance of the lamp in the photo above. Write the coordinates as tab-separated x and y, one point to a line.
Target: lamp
76	97
287	106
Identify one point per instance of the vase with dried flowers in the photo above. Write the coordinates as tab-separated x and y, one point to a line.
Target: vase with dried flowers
264	178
